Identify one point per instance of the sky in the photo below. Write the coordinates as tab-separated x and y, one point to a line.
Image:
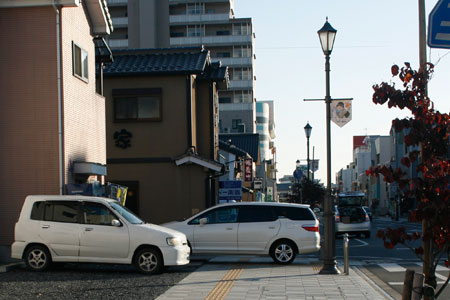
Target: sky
290	67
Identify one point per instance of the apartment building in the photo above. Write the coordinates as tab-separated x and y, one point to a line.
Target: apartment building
187	23
265	127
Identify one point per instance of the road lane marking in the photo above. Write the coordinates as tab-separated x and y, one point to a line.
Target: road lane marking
438	268
362	242
392	267
221	290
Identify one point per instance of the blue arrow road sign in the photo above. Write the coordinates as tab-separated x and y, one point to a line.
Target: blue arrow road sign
439	25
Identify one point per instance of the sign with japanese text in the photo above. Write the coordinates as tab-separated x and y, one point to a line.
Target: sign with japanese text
248	170
230	190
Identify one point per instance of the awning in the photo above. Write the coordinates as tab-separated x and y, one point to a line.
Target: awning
89	168
192	158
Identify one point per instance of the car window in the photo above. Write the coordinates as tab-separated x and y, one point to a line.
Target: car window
256	213
37	212
294	213
126	213
350	200
61	211
97	214
218	215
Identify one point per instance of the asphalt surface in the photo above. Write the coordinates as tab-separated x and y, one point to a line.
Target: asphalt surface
89	281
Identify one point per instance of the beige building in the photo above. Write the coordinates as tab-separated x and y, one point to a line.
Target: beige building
52	120
162	130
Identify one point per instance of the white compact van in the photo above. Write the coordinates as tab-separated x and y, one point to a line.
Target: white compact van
94	230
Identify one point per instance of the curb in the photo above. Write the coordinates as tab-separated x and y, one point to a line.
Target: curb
9	267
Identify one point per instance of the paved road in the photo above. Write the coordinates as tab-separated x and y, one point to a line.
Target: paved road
86	281
387	266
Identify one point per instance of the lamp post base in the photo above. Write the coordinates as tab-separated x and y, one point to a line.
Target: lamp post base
329	268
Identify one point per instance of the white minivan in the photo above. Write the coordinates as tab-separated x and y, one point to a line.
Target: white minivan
94	230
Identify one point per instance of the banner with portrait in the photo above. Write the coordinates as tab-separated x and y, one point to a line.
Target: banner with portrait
341	112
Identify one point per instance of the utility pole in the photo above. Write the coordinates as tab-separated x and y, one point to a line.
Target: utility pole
427	245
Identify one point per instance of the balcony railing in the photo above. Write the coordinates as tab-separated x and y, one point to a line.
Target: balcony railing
117	2
120	22
210	40
234	61
240	84
199	18
205	1
118	43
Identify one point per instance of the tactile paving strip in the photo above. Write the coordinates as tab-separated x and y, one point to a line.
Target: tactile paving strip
221	290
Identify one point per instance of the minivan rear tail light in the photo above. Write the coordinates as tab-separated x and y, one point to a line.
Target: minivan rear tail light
338	218
311	228
367	218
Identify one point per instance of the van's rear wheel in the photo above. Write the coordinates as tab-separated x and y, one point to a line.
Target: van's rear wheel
37	258
283	252
149	261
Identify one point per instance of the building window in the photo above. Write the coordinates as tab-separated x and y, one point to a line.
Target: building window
137	105
242	97
241	74
195	8
225	100
242	51
241	29
80	62
176	34
222	32
195	30
223	54
235	123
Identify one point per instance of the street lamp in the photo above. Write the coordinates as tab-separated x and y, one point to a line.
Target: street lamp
308	130
326	35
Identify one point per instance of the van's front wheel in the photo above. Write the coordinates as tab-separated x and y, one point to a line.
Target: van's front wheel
149	261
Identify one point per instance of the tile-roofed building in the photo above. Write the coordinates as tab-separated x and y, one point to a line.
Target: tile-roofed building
229	147
162	130
249	142
128	62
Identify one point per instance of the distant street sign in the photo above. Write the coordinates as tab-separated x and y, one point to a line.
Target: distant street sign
439	25
230	190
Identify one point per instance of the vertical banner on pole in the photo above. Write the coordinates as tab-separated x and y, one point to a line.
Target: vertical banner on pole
341	112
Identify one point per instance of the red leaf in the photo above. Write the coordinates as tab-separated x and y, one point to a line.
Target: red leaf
394	70
406	162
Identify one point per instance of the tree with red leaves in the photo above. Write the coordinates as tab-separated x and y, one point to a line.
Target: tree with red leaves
428	130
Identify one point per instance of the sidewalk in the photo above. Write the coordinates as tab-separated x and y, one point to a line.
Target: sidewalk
250	278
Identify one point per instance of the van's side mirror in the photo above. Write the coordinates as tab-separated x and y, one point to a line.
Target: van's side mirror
115	223
203	221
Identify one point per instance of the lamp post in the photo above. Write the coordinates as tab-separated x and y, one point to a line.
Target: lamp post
308	130
326	35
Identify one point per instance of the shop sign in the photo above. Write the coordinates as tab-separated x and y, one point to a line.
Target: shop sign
248	170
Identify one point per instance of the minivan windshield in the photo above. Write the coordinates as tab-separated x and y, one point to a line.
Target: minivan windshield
127	214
